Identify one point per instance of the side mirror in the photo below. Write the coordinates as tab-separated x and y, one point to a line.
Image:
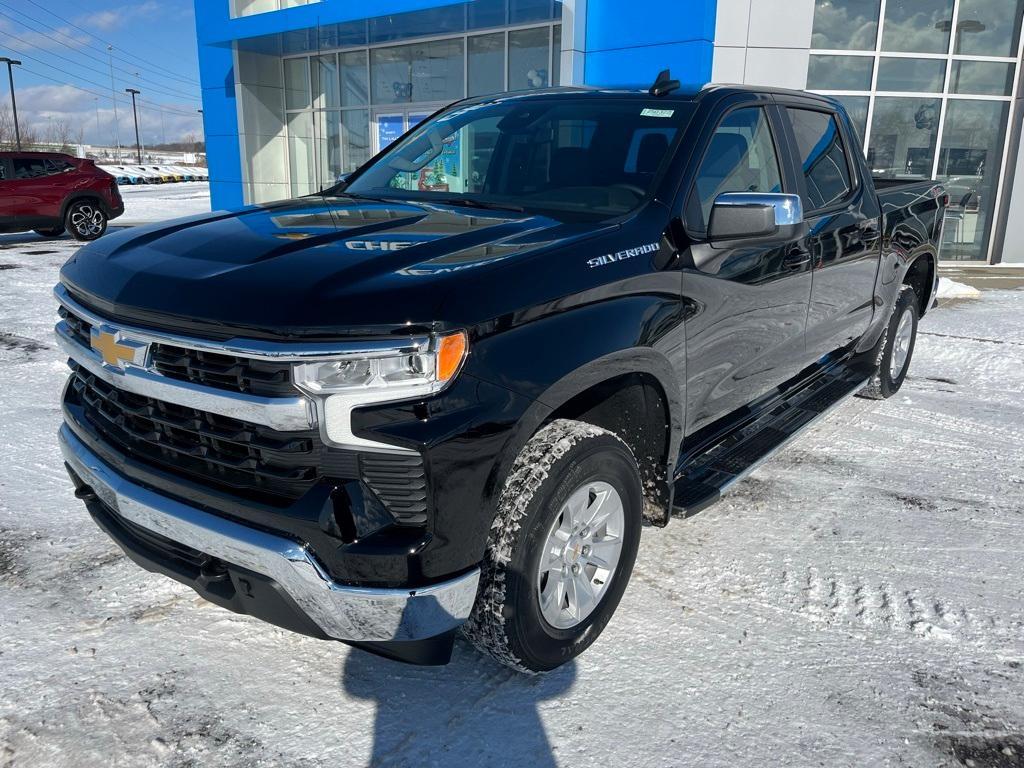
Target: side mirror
752	218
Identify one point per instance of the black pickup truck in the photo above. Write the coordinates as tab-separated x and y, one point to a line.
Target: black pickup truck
446	394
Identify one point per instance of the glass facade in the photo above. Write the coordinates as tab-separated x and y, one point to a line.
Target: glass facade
929	84
372	88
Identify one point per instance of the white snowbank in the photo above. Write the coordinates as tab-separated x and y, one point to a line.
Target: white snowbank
951	289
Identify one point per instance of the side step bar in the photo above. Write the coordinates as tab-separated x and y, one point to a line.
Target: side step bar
702	481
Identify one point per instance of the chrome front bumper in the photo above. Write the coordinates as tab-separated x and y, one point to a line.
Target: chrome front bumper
355	614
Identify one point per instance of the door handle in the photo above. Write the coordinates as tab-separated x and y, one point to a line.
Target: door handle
796	257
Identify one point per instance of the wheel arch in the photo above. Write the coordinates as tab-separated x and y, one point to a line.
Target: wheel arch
921	274
634	393
80	195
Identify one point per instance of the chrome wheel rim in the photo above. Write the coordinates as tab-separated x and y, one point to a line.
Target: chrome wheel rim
581	553
87	220
901	344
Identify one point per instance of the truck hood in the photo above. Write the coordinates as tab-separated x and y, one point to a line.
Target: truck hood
310	267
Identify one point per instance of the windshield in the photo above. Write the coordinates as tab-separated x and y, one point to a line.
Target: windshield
584	156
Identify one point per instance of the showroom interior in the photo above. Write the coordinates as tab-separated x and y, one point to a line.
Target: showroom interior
296	93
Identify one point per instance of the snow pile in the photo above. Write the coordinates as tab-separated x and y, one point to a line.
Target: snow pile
858	601
156	202
951	289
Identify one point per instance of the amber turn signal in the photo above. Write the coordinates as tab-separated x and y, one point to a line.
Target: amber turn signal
451	350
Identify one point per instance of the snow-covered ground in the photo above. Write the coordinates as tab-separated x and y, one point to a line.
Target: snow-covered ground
859	601
155	202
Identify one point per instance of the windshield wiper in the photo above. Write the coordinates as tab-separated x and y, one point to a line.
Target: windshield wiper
472	202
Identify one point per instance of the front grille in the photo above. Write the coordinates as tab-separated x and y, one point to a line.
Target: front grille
180	553
212	369
80	329
212	449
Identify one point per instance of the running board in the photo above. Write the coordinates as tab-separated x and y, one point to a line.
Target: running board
702	481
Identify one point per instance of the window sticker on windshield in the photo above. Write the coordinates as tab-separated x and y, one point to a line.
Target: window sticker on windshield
658	112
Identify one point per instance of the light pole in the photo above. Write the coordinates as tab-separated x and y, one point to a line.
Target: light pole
96	101
113	98
138	144
14	104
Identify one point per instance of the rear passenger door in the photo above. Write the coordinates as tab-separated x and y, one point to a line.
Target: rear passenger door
844	237
745	336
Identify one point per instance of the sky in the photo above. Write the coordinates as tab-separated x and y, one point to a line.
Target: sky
66	67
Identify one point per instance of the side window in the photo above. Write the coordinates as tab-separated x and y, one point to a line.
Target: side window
823	158
740	158
57	166
28	167
3	170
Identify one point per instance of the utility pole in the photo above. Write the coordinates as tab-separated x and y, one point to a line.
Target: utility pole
14	104
135	113
96	101
113	98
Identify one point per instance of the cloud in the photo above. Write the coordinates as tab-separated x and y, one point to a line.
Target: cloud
113	18
61	37
94	117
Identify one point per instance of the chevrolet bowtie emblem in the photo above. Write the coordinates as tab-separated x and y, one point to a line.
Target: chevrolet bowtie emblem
115	350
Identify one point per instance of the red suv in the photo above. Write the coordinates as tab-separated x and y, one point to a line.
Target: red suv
52	193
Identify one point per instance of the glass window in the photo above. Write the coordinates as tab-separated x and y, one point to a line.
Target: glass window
903	136
486	64
355	138
328	147
917	26
524	11
325	81
419	72
914	75
740	158
857	108
429	21
556	59
296	83
528	51
355	89
3	170
969	161
572	158
984	78
840	73
481	14
301	153
849	25
989	27
823	158
28	167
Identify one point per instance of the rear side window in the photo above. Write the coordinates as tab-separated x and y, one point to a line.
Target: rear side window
823	157
3	170
58	166
28	167
740	158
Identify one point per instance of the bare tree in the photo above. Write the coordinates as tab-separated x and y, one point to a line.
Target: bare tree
6	126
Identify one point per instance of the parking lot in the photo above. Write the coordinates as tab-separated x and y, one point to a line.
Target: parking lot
858	601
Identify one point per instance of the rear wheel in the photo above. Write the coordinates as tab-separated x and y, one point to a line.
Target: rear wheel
50	232
85	220
561	550
895	349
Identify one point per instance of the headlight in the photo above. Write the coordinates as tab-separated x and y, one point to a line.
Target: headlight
378	377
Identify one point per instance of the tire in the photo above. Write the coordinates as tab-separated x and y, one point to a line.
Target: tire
85	220
565	461
50	232
895	349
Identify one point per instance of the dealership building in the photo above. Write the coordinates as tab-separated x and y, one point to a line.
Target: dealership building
298	92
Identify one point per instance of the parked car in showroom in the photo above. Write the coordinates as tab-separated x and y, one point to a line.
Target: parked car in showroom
52	193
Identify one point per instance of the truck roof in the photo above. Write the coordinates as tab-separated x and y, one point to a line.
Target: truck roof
681	94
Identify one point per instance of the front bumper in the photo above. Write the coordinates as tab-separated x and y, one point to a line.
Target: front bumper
341	612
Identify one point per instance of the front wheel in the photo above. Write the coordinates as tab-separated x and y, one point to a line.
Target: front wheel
895	349
85	220
561	550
